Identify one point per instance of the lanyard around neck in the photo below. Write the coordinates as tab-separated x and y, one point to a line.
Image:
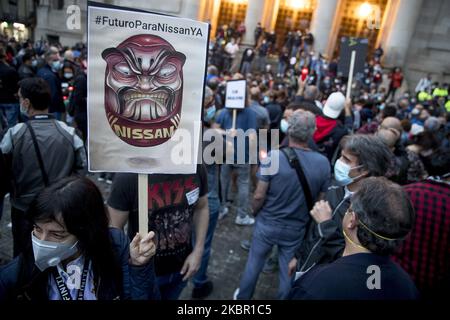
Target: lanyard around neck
62	287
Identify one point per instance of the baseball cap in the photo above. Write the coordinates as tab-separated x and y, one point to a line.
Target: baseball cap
334	105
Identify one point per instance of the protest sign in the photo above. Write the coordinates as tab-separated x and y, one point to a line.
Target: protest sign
235	95
349	44
146	76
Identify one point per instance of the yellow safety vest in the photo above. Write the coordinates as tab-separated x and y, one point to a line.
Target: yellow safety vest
438	92
424	96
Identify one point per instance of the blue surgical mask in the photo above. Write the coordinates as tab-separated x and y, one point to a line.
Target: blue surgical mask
56	65
34	63
210	113
342	171
266	99
49	254
68	75
284	125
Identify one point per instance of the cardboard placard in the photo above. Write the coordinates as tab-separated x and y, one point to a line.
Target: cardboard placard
146	76
235	94
349	44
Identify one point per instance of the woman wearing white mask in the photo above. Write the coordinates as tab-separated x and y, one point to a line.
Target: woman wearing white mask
74	255
362	156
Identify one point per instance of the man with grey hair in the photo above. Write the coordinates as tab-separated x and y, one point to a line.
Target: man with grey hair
362	156
50	73
307	97
280	204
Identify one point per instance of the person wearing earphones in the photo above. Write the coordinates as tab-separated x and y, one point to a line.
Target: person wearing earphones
362	156
379	218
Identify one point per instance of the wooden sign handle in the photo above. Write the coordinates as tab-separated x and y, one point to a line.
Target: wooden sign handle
143	203
350	74
234	118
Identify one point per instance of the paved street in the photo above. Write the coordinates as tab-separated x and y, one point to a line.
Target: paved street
225	267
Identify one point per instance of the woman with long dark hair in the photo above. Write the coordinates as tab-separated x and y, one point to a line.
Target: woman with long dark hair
75	255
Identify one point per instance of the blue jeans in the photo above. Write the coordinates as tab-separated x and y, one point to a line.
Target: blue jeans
261	63
281	68
243	175
265	236
200	277
246	67
171	285
11	112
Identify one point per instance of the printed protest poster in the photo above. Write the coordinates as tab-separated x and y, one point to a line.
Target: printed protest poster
349	44
235	94
145	90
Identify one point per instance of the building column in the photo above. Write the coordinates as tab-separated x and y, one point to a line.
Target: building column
254	14
42	20
322	22
191	9
400	32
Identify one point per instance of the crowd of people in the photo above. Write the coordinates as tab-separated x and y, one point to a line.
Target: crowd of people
362	181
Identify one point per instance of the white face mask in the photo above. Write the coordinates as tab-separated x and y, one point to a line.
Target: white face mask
56	65
23	110
342	171
49	254
284	125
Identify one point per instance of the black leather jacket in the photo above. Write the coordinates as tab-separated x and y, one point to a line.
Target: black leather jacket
324	242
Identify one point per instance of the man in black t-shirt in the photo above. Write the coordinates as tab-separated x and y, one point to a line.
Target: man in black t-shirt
176	203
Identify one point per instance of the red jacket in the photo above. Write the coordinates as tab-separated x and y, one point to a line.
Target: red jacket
324	128
396	79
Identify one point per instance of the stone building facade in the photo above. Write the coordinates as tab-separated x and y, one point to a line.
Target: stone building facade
414	34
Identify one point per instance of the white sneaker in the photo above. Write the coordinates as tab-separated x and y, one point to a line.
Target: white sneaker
109	181
235	294
246	221
223	212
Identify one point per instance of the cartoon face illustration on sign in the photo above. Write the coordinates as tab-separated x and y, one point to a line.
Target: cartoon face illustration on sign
143	89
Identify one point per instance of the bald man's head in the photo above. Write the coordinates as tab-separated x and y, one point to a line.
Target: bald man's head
392	123
311	93
388	136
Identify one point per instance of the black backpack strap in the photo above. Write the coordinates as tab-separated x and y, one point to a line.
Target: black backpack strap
38	153
294	162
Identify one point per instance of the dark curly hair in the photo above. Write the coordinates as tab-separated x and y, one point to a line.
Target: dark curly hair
384	211
371	151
